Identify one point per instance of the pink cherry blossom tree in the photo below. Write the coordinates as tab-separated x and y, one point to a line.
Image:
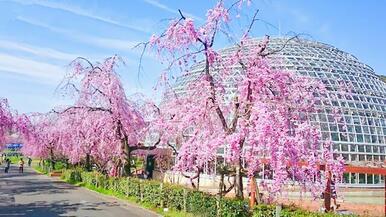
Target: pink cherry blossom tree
6	121
264	122
41	137
102	123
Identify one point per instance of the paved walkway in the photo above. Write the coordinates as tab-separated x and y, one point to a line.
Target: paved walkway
32	194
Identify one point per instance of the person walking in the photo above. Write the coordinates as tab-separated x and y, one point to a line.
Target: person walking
21	165
7	165
29	162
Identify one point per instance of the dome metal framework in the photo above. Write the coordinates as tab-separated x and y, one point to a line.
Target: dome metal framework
362	139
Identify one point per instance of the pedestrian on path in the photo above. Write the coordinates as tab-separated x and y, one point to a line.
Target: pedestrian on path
7	165
21	165
29	162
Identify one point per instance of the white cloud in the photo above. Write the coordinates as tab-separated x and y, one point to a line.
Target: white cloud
299	15
160	6
87	39
163	7
23	66
81	12
38	51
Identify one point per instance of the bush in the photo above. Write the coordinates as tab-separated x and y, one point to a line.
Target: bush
234	208
264	211
152	194
88	178
201	203
133	188
174	196
72	176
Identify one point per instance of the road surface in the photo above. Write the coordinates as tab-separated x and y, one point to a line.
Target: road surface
32	194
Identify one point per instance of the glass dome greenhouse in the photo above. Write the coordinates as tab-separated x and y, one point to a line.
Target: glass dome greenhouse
362	140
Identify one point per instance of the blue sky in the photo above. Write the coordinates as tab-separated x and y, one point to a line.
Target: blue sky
38	39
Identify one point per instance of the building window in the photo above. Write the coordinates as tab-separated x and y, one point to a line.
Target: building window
368	148
335	136
353	178
361	148
376	179
346	178
354	157
362	178
359	138
345	157
370	179
344	147
361	157
353	148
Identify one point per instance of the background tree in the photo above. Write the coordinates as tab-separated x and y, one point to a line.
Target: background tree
103	123
43	137
6	121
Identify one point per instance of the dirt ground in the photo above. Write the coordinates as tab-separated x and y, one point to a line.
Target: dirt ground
362	210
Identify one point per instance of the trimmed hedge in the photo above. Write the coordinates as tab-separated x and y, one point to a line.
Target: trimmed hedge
162	195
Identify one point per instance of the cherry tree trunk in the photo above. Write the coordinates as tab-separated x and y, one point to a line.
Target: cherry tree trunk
221	185
52	159
88	164
127	166
239	181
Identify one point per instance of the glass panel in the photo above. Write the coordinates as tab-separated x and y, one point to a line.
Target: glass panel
370	179
358	129
367	138
376	179
361	157
335	136
361	148
346	178
362	178
376	149
353	178
369	157
350	128
345	157
368	149
359	138
354	157
382	149
351	137
353	148
344	147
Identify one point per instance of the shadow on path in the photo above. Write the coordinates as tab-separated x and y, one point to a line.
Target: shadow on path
42	208
32	194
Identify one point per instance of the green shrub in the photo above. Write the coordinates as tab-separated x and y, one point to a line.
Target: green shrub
72	176
133	188
201	203
59	165
234	208
151	191
101	181
264	211
173	196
